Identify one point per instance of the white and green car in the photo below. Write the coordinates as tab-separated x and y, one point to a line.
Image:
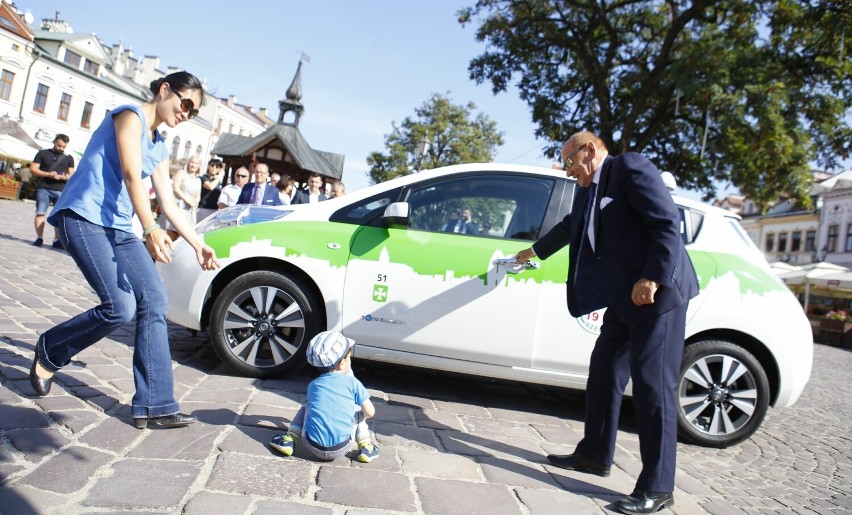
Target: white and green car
384	266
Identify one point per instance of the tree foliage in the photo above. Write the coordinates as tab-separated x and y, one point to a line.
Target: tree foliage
740	91
455	133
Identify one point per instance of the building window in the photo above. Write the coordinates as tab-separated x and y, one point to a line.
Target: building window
831	244
40	98
849	238
175	147
796	242
198	150
91	67
6	80
770	242
186	150
72	58
86	120
64	107
810	241
782	242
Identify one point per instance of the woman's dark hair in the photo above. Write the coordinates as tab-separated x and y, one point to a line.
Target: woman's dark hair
283	182
179	81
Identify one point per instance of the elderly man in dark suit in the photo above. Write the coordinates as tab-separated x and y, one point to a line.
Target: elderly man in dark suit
261	193
626	253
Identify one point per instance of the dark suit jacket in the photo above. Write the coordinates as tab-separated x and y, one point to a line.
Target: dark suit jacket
469	228
303	197
637	235
270	195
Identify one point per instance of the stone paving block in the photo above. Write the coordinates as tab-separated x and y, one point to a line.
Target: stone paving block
251	475
290	508
465	498
266	416
230	396
618	484
112	435
144	484
249	440
437	420
282	399
24	500
7	470
64	402
525	417
546	502
357	488
188	375
205	503
559	434
56	474
459	408
76	420
407	437
516	474
392	413
223	382
193	442
103	402
514	449
20	416
109	372
498	429
440	465
411	401
214	414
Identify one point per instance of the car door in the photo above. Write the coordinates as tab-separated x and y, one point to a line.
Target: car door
431	287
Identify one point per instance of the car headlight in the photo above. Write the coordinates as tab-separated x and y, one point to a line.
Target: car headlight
240	215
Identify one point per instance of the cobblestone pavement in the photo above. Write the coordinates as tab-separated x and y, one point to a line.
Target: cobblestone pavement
449	445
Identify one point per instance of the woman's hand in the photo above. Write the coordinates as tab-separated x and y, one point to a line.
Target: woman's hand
159	245
206	257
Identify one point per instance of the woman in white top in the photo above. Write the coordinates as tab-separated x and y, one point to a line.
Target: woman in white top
187	189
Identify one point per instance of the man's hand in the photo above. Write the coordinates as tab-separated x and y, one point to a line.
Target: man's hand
524	255
643	292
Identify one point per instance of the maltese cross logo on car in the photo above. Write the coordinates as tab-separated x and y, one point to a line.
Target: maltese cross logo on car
380	293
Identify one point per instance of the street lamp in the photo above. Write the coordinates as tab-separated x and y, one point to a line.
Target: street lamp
420	151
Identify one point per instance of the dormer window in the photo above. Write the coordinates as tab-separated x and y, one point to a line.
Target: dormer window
73	59
91	67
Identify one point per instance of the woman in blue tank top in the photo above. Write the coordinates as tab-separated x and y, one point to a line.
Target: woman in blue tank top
93	219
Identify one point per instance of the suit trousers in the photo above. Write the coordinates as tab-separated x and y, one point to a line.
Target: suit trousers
651	353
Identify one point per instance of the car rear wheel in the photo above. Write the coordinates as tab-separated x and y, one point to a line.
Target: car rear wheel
261	323
723	394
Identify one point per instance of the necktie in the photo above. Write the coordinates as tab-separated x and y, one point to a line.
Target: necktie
256	196
584	239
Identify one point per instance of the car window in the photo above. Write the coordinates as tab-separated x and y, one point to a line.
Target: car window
690	224
497	206
366	211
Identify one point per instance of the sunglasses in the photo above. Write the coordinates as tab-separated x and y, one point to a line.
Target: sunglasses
186	104
567	162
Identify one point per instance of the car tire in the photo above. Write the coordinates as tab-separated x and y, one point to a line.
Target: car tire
723	394
261	323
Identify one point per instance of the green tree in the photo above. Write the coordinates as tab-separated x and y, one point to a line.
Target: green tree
746	92
456	134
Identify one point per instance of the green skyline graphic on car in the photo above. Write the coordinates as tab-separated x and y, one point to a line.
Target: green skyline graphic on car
318	239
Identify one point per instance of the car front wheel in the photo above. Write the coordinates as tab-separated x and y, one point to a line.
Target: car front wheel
723	394
261	323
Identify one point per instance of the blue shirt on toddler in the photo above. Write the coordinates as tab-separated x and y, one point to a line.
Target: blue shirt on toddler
330	413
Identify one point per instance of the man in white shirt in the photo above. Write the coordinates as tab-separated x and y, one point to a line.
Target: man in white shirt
231	192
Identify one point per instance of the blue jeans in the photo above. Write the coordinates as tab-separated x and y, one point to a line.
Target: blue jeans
119	269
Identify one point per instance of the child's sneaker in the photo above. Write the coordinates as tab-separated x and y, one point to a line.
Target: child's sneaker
283	443
367	453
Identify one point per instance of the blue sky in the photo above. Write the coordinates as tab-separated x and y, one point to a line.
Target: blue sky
371	62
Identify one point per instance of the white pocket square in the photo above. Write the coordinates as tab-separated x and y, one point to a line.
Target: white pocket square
605	202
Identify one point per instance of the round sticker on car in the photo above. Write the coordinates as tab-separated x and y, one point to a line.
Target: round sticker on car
593	321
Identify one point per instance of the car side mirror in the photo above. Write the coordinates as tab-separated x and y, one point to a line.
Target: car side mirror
397	214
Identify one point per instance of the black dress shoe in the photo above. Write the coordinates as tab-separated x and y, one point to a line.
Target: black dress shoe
641	501
578	463
40	386
167	421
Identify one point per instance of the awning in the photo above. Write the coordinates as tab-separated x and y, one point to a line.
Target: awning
11	147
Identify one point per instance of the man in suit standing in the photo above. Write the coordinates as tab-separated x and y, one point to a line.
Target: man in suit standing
313	194
260	193
626	253
464	224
